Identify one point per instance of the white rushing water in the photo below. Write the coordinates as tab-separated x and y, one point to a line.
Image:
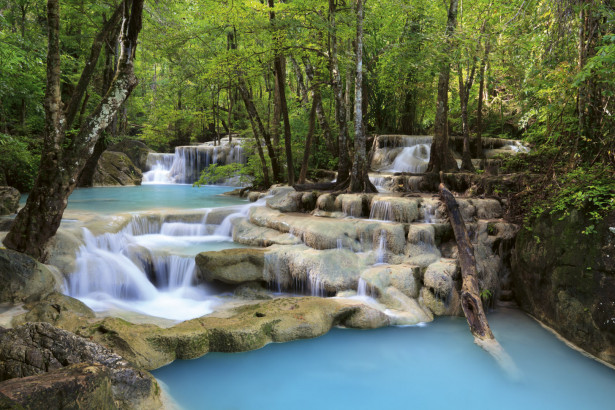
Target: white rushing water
148	267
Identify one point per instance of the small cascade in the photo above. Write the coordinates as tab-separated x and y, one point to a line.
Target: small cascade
381	210
183	229
173	271
187	163
363	289
429	210
316	286
340	244
381	254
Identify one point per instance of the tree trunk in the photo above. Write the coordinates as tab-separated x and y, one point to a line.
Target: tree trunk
343	167
302	92
479	109
312	76
64	154
441	157
280	78
464	96
470	293
253	113
308	141
359	180
72	108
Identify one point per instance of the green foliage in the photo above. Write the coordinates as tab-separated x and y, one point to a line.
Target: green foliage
17	162
589	189
215	174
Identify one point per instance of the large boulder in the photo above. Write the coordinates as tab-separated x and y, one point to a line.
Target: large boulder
79	386
37	348
232	266
9	200
115	168
135	150
566	278
23	278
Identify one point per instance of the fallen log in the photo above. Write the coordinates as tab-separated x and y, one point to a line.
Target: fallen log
470	293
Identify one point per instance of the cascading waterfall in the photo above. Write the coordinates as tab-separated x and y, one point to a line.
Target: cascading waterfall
135	269
187	163
402	153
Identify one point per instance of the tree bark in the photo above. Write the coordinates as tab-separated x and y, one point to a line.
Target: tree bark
64	154
343	167
72	108
441	156
464	96
470	293
312	76
253	113
359	180
479	109
308	141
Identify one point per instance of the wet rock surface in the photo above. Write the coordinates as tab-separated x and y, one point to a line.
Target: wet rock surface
37	348
567	279
79	386
9	200
135	150
23	278
115	168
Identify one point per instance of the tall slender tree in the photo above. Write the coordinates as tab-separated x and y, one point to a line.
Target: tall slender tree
441	156
359	179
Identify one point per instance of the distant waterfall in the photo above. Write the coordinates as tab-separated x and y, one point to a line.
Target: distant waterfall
402	153
187	163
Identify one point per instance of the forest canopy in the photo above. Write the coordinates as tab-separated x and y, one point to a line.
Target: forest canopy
282	75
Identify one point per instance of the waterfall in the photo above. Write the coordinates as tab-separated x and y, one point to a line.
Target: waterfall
412	159
381	254
402	153
363	289
381	210
187	163
135	269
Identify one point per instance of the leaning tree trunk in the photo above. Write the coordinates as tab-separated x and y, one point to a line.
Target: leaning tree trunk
470	293
64	154
441	157
359	179
470	297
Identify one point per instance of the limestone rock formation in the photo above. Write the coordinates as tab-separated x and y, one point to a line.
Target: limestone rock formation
137	151
115	168
232	266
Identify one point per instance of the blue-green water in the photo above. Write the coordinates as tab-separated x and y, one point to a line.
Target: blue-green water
436	366
110	200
